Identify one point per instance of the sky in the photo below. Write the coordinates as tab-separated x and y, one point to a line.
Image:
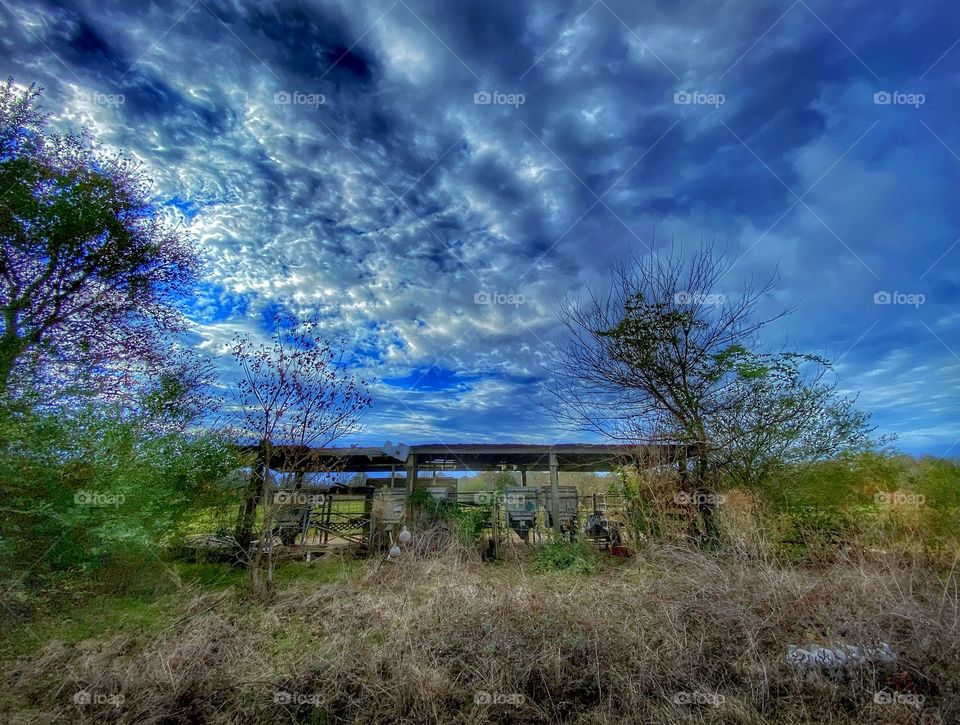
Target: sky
432	177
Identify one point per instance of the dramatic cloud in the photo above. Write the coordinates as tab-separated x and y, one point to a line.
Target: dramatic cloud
431	177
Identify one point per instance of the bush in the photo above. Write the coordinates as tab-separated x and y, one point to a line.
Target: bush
874	499
468	522
92	491
565	556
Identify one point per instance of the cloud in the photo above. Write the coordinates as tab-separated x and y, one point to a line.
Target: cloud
331	158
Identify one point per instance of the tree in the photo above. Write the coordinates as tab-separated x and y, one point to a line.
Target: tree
297	392
665	356
91	272
782	410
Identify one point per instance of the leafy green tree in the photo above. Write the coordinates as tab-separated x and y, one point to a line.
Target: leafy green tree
90	271
781	410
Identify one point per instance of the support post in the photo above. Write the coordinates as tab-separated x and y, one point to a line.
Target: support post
495	525
555	492
523	476
411	472
411	481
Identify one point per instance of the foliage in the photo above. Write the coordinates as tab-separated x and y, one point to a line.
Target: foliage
88	492
872	498
778	410
91	271
469	521
565	556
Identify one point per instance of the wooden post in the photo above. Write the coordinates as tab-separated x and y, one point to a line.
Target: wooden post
246	520
555	492
371	528
411	481
523	476
411	472
495	524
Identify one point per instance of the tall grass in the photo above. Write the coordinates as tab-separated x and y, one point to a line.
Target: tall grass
677	635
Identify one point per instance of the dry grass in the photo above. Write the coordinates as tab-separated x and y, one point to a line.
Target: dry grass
422	640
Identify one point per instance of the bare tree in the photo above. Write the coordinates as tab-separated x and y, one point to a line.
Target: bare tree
642	360
646	361
295	392
667	356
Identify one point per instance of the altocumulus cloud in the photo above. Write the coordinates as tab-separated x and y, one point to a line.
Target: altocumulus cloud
431	176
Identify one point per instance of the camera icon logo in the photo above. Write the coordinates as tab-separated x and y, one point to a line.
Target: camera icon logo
482	498
482	98
882	298
682	98
882	98
282	98
481	298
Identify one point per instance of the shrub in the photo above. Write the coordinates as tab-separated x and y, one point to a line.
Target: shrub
468	522
565	556
91	491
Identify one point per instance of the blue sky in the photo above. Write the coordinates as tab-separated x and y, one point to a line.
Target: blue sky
431	177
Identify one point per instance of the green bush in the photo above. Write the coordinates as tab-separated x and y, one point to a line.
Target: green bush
468	521
90	492
877	499
565	556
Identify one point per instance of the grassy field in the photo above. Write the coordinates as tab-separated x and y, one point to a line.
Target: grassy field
673	635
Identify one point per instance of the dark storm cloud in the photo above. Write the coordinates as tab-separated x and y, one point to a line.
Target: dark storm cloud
331	158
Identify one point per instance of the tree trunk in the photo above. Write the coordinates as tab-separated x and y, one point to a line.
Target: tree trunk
10	349
248	511
705	497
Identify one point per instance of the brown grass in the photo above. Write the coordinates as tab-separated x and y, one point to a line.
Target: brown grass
422	640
